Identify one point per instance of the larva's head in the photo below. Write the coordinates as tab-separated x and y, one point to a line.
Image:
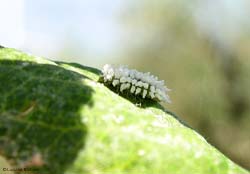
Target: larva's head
135	83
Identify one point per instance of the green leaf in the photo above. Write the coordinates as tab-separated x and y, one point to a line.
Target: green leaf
56	117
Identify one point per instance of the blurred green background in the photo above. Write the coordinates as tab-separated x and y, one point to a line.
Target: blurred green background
200	48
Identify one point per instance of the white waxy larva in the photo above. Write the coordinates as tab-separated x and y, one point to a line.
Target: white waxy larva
134	82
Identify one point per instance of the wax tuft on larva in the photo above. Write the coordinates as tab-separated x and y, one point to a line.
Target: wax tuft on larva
132	90
138	90
115	82
144	93
134	81
123	79
123	86
146	85
137	83
152	88
151	94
